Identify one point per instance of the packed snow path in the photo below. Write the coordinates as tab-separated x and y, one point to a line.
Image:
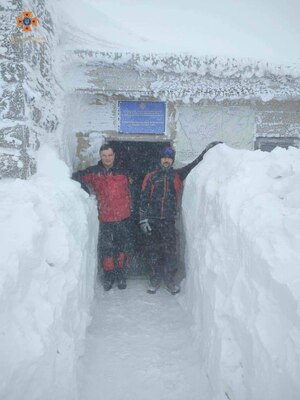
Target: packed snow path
139	346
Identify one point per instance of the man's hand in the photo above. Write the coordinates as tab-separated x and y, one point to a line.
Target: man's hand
208	147
211	145
145	227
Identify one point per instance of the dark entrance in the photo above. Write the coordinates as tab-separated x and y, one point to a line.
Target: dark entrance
138	158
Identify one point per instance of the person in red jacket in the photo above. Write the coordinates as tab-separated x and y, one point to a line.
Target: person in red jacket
158	208
110	183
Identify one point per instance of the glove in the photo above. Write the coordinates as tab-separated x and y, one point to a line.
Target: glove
211	145
145	227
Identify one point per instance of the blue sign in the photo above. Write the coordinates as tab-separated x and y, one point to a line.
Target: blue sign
142	117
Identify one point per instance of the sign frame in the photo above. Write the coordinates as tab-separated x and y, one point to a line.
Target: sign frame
137	117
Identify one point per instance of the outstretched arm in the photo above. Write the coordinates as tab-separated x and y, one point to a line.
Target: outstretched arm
183	172
84	178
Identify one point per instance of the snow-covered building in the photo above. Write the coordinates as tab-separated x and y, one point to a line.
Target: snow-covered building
246	104
69	85
75	98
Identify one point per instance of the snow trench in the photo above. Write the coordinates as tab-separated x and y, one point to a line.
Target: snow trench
241	212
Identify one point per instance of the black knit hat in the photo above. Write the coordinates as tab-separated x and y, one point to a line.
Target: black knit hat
167	152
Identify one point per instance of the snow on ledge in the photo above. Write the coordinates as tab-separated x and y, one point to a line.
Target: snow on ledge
186	77
221	67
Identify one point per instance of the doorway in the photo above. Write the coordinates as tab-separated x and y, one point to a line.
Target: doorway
138	158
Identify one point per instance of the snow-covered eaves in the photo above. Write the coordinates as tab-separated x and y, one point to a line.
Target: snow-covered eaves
184	77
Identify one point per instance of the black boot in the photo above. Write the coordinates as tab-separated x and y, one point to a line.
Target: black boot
171	286
170	283
154	284
155	275
121	279
108	280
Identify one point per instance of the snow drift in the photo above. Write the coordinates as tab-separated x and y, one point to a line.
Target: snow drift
48	253
241	218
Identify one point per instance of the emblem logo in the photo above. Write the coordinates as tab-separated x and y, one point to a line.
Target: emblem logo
26	21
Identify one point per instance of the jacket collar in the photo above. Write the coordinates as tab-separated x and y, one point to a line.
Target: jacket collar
165	170
100	164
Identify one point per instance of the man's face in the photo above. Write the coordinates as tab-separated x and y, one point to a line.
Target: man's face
166	162
107	157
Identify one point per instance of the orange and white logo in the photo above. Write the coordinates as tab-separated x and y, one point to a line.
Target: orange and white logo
27	21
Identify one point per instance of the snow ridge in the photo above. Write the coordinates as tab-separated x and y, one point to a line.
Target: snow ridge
242	213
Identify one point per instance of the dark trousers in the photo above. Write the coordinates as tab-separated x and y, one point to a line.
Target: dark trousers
160	249
113	244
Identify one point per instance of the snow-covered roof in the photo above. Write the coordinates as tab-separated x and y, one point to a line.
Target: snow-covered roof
186	50
266	30
185	77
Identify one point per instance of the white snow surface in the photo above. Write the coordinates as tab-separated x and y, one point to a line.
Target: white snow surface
186	51
233	332
266	30
48	246
242	223
140	346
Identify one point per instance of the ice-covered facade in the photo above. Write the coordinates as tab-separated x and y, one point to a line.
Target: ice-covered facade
28	87
69	96
207	98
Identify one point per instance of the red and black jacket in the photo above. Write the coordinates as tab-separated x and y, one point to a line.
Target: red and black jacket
161	191
111	187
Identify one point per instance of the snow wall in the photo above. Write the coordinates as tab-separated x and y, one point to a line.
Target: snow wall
47	273
241	214
241	218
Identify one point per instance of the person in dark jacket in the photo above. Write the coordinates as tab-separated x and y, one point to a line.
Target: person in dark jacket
158	208
110	183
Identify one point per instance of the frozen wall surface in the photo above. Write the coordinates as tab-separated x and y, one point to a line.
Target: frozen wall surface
198	126
48	230
242	217
30	107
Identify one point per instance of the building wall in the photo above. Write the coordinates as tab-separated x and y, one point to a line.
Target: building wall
189	126
278	119
28	88
221	107
199	125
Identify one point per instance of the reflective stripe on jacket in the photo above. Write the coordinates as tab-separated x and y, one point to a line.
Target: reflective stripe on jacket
161	190
160	193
